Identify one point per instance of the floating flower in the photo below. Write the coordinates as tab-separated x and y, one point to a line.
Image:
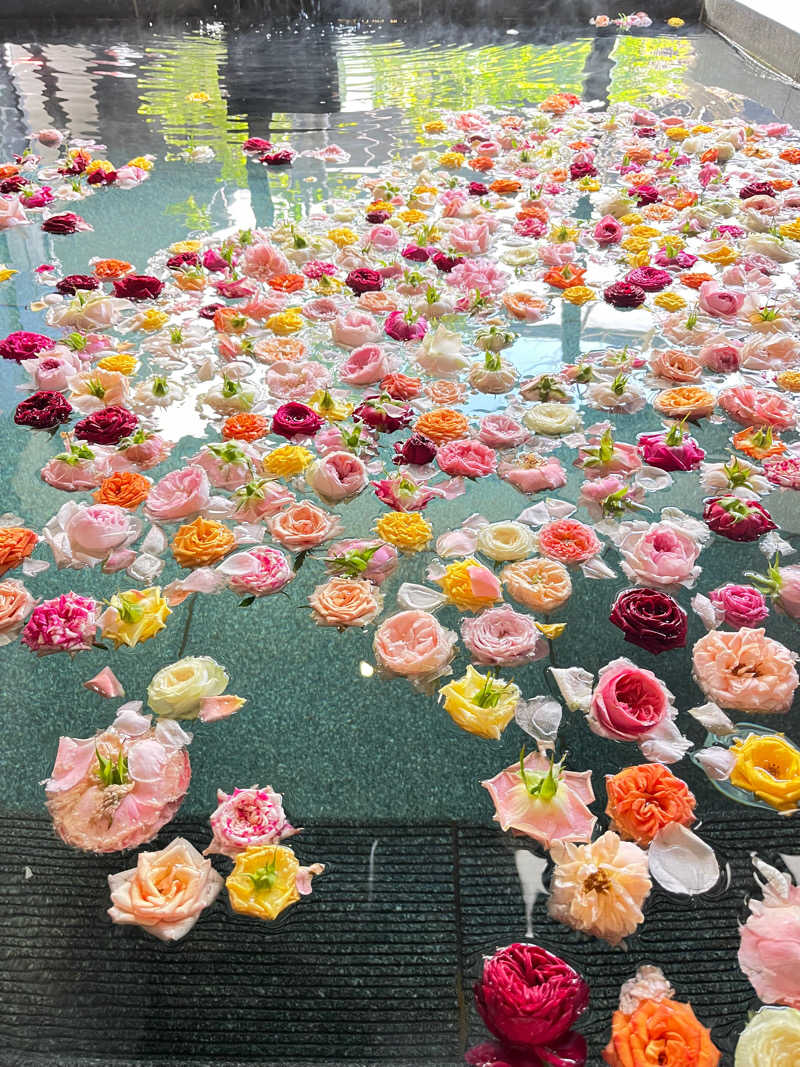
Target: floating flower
414	644
247	818
267	879
650	619
65	624
134	616
16	544
407	531
201	542
480	704
745	670
542	585
345	602
189	689
770	1039
470	586
644	799
768	766
770	939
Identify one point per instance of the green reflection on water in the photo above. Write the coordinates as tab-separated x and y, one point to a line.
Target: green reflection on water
649	66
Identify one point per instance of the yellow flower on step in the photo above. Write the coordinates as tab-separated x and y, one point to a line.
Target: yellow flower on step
578	294
122	362
342	236
267	879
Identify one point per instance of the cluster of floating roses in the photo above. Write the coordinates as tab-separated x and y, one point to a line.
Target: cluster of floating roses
310	346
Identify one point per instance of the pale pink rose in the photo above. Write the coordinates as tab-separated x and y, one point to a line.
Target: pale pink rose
323	309
343	602
788	598
165	892
471	238
266	499
502	637
466	458
757	407
247	818
500	431
470	121
720	355
383	237
228	465
625	459
374	560
74	475
297	381
330	439
481	274
16	604
532	473
721	303
677	329
128	177
675	365
93	390
557	255
141	452
594	491
81	535
262	306
740	605
661	554
302	526
262	260
452	202
745	670
258	571
762	205
769	953
179	494
414	643
98	312
337	476
365	365
355	328
770	353
54	368
12	213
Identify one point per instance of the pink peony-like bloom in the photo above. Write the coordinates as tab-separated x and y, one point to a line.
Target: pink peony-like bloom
83	535
365	365
750	406
769	952
548	804
531	473
302	526
355	328
721	303
66	624
400	328
628	702
116	790
770	353
141	451
660	554
501	431
740	605
472	238
383	237
178	495
52	369
357	557
260	499
481	274
247	818
745	670
337	476
323	309
656	451
414	644
466	458
502	637
262	261
288	380
227	464
12	213
259	571
78	469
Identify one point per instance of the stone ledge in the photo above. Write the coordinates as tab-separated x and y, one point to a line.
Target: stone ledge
770	42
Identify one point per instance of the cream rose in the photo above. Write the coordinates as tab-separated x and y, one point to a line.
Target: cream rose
770	1039
506	541
551	419
179	690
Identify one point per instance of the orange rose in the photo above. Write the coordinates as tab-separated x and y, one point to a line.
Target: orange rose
401	386
505	185
665	1033
229	320
684	402
8	170
758	443
695	280
273	349
442	424
676	365
345	602
245	426
790	155
16	544
482	163
189	281
201	542
379	302
643	799
524	306
564	277
533	209
111	268
126	489
286	283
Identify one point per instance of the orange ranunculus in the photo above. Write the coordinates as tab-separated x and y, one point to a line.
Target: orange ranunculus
126	489
660	1032
565	277
559	103
505	185
272	349
111	268
638	155
482	163
781	184
524	306
643	799
696	279
16	544
401	386
685	198
684	402
230	320
245	426
790	155
379	302
446	393
286	283
442	424
758	443
204	541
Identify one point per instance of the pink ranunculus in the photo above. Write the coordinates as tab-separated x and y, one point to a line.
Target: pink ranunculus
414	644
502	637
247	818
81	535
501	431
628	702
466	458
533	473
179	494
259	571
66	624
288	380
721	303
741	605
661	554
337	476
355	328
769	951
365	365
262	261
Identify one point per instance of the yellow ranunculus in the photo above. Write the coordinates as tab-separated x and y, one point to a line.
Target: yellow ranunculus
451	160
263	882
406	530
770	1039
458	586
769	767
285	322
791	230
122	362
724	255
342	236
479	703
789	380
669	301
138	615
286	461
676	133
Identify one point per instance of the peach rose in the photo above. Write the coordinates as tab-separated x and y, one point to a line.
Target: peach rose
16	604
302	526
345	602
414	644
757	407
675	365
745	670
540	584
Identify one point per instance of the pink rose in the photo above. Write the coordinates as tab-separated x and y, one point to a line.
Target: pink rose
12	213
745	670
503	637
66	624
259	571
297	381
757	407
532	473
608	231
247	818
788	597
661	554
770	353
356	558
228	465
302	526
262	260
323	309
471	238
721	303
337	476
354	328
769	952
481	274
16	604
141	451
466	458
741	605
53	369
260	499
77	470
597	460
178	495
720	355
383	237
414	643
500	431
628	702
365	365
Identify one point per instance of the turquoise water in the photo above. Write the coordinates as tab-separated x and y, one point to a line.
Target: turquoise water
340	744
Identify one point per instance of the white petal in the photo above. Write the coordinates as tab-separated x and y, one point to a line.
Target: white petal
710	615
682	863
772	542
129	720
665	743
713	718
596	568
170	734
540	718
419	597
575	685
716	761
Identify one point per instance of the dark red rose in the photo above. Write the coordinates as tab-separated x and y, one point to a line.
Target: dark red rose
364	280
77	166
383	413
106	427
43	410
377	216
13	184
645	131
283	158
62	224
445	263
651	279
624	295
24	345
756	189
138	287
417	450
183	259
645	194
582	169
102	177
460	147
650	619
256	144
69	285
530	999
477	189
738	520
208	311
295	420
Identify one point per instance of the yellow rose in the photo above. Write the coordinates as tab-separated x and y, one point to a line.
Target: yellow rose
327	285
451	160
142	162
636	244
791	230
769	767
263	882
411	216
178	690
286	322
151	320
6	272
669	301
724	255
324	404
702	128
770	1039
99	164
137	615
121	362
342	236
676	133
578	294
435	126
552	419
641	230
286	461
563	233
457	586
479	703
630	219
589	185
184	246
406	530
789	380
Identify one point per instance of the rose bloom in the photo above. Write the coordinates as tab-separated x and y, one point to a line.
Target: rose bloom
597	460
661	554
628	702
179	690
757	407
16	544
666	1029
201	542
65	624
93	390
768	766
655	451
650	619
501	431
444	394
675	365
267	879
720	356
502	637
530	998
466	458
414	644
16	604
531	473
599	888
541	584
355	328
81	535
337	476
770	1039
134	616
721	303
783	472
359	558
247	818
72	473
178	495
365	365
126	489
259	571
165	892
745	670
106	427
552	419
568	541
643	799
344	602
142	450
506	541
227	466
769	953
302	526
684	401
740	605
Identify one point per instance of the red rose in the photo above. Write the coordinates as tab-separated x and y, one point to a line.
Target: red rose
530	999
477	189
445	263
645	194
417	450
62	224
24	345
283	158
582	169
138	287
364	280
43	410
624	295
256	144
416	253
183	259
756	189
14	184
107	427
295	420
650	619
102	177
738	520
377	216
69	285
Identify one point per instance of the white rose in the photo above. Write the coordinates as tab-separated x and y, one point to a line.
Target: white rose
506	541
178	691
440	352
551	419
770	1039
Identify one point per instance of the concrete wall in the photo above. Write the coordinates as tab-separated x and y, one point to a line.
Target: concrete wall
763	37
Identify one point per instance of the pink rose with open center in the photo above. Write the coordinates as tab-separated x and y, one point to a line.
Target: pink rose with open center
750	406
501	431
297	381
769	952
741	605
355	328
365	365
179	494
337	476
259	571
661	554
81	535
719	302
262	260
302	526
628	702
413	643
466	458
502	637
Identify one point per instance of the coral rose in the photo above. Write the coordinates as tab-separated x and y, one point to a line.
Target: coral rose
660	1032
442	425
643	799
16	544
125	489
414	644
302	526
345	602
